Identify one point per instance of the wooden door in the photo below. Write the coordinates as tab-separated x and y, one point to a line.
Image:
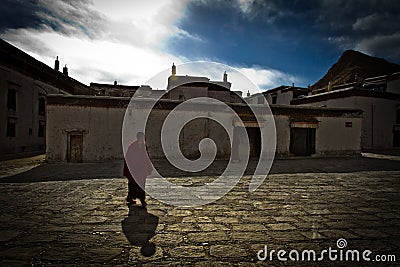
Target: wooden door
75	147
254	134
302	141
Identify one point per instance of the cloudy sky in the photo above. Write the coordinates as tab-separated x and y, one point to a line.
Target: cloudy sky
272	42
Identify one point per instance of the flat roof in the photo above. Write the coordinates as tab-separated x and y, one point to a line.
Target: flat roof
285	88
167	104
343	93
114	86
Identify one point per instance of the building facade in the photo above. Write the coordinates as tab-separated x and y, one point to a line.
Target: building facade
87	128
381	119
24	86
281	95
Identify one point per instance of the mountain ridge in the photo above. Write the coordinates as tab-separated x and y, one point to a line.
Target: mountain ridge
354	66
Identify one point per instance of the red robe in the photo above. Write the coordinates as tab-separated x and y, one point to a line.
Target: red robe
137	165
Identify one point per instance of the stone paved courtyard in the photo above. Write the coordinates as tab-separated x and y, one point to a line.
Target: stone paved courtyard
57	215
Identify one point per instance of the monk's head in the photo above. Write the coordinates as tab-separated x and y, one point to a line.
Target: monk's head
140	137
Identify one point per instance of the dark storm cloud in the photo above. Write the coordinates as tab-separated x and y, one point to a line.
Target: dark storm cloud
69	17
72	17
370	26
358	17
24	20
331	16
19	14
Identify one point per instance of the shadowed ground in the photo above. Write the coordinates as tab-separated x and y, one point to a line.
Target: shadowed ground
35	169
60	214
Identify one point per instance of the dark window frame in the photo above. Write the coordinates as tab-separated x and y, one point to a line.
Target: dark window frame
42	105
398	116
274	99
12	99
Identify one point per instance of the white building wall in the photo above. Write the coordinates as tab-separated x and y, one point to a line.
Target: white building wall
284	98
256	99
333	137
102	131
101	127
393	86
328	132
378	118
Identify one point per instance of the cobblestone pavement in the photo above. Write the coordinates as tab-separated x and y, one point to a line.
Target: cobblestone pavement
82	221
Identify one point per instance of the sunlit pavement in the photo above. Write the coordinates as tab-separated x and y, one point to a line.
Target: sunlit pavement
55	214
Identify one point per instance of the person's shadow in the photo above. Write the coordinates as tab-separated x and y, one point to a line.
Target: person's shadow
139	227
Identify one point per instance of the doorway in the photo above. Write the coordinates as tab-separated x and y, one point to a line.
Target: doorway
254	135
396	130
396	136
302	141
75	147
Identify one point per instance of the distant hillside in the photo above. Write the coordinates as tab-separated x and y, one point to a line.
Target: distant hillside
352	65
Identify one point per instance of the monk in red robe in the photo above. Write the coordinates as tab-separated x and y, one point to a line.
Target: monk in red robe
137	167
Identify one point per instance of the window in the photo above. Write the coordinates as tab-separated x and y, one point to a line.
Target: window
42	128
274	97
10	127
398	116
42	106
12	99
348	124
